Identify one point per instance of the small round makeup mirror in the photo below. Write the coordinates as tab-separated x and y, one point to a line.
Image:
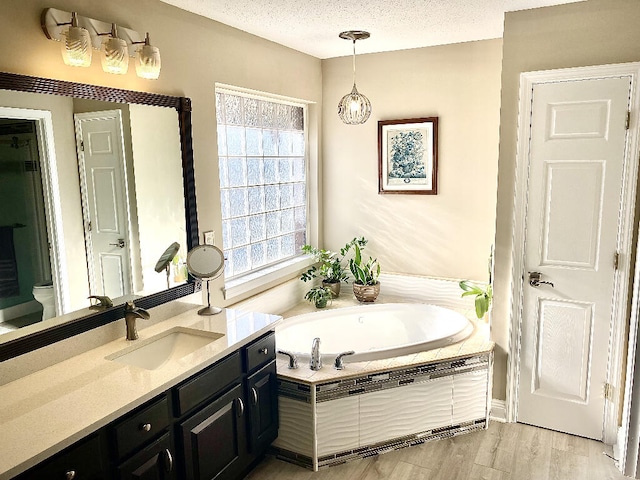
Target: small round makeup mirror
206	262
165	259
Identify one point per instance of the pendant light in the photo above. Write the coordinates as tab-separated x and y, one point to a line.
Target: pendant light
354	108
76	44
115	53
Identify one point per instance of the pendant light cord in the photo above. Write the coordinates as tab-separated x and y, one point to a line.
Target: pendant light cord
354	61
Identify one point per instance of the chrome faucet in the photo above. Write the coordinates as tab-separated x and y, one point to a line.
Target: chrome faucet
339	363
131	313
315	362
293	359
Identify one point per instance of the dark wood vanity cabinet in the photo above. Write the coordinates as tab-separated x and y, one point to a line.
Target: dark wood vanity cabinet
215	425
224	438
214	440
85	460
262	395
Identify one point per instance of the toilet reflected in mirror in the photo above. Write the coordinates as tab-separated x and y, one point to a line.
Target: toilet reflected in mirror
43	293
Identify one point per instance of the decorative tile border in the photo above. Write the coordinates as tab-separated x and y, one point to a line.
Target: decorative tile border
380	448
381	380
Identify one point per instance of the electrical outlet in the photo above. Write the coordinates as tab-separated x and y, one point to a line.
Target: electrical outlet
209	237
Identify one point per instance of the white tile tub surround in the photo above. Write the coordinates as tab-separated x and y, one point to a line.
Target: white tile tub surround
325	419
328	423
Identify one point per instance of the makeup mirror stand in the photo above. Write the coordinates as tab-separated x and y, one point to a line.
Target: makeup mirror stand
209	310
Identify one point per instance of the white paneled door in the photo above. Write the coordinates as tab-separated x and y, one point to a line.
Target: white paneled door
576	157
101	153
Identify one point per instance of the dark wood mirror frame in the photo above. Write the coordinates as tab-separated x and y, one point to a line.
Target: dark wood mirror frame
22	83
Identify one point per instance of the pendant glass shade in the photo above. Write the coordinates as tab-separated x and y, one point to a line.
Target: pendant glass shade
76	45
148	60
114	54
354	108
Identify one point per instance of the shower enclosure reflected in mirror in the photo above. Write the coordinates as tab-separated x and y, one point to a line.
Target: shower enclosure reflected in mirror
91	193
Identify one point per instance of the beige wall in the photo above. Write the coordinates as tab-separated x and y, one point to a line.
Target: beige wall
196	53
447	235
595	32
158	187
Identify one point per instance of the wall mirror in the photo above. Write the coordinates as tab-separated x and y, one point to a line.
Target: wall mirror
95	182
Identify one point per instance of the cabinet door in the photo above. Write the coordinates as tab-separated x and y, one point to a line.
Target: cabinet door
154	462
214	439
262	395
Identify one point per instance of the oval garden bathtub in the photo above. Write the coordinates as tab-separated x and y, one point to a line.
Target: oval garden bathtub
373	331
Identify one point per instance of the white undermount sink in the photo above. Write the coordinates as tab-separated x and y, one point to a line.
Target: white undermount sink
165	347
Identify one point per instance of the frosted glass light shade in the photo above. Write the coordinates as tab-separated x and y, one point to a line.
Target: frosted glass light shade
76	47
115	55
148	61
354	108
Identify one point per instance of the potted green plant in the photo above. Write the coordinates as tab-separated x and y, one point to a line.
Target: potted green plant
319	296
483	296
366	286
330	268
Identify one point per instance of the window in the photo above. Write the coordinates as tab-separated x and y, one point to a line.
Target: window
262	164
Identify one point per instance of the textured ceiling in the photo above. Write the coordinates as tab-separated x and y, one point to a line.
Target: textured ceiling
312	26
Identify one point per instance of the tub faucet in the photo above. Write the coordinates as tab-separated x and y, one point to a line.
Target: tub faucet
315	362
131	313
339	363
293	360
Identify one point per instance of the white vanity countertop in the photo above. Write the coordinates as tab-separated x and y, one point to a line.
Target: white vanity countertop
44	412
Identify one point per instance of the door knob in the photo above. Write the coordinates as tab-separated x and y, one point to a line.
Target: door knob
119	244
534	280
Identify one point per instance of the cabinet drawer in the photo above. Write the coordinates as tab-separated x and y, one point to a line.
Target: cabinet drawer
207	384
82	461
260	352
141	427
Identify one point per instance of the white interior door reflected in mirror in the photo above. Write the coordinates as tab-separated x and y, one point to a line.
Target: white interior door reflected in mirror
105	202
206	262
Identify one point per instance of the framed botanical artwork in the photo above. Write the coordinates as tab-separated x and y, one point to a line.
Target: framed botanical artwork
408	156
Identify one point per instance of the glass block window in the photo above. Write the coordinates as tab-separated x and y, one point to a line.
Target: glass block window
262	163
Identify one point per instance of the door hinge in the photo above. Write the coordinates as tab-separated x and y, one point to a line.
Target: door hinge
608	391
628	120
616	261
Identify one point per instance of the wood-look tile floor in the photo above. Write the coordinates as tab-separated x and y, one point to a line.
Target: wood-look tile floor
507	451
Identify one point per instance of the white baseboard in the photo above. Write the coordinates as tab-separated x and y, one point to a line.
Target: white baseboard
619	445
498	410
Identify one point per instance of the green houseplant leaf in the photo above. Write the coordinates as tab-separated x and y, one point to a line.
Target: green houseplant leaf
483	296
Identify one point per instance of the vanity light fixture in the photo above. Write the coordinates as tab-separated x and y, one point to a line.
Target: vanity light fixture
76	44
114	53
147	60
81	34
354	108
